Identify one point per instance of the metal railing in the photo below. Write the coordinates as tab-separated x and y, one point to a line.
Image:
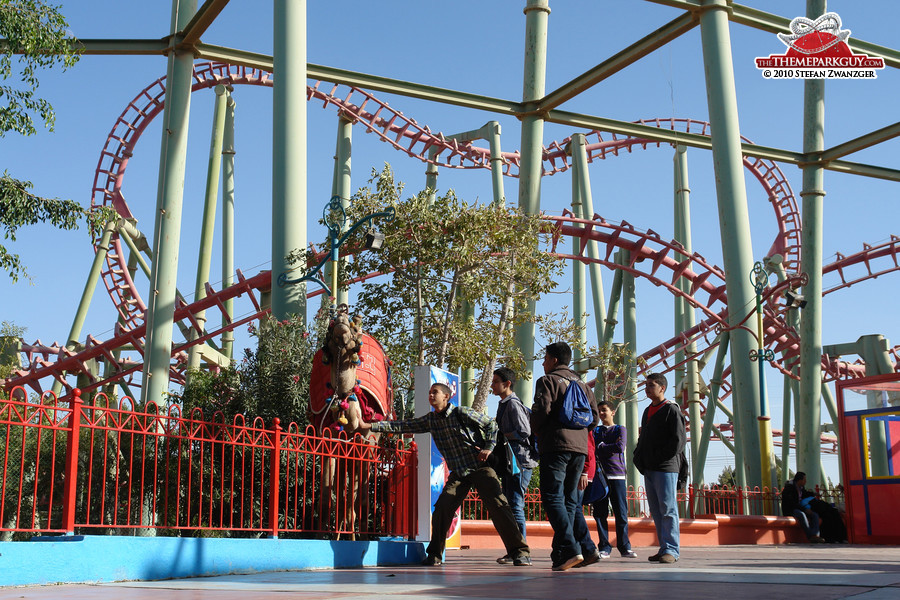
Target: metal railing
692	502
71	467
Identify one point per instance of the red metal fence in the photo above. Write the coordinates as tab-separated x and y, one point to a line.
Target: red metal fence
68	466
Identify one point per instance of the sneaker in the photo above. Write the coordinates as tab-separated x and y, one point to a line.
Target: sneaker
568	564
432	561
816	540
629	554
590	559
604	554
522	561
504	560
668	559
655	557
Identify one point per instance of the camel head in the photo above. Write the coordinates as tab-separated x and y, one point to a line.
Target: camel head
343	342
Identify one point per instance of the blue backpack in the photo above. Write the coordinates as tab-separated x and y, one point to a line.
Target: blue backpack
575	412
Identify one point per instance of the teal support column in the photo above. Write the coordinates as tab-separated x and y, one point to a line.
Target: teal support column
289	153
734	222
715	383
785	429
537	14
88	293
340	187
431	175
874	350
208	225
775	264
629	333
615	295
493	135
491	131
831	404
228	223
583	182
579	296
691	382
813	194
167	228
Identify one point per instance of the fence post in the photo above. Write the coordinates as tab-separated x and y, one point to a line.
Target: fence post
274	478
71	467
690	495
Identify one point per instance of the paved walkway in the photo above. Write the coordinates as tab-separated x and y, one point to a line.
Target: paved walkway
823	572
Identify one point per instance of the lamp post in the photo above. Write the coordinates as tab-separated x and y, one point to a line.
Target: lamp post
760	278
335	220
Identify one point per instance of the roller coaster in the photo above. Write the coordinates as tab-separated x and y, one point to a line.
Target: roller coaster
663	263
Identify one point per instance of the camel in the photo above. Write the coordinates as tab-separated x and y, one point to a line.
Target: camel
350	379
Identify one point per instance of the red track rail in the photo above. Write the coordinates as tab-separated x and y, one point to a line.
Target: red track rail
707	289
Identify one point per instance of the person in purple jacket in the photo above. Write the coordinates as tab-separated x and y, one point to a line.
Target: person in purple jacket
609	440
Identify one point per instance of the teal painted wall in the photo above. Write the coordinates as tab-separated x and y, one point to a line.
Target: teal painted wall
83	559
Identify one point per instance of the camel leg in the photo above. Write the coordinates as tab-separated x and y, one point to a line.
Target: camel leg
326	498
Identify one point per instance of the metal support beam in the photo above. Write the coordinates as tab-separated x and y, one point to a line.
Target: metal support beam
758	19
208	223
228	224
629	331
709	419
862	142
734	222
341	187
579	295
813	195
615	295
289	203
167	228
659	38
201	21
578	149
87	294
686	316
537	14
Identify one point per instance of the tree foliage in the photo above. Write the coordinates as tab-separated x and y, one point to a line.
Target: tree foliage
10	337
270	381
444	256
34	37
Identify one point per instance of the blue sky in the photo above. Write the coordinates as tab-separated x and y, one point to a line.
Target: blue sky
475	47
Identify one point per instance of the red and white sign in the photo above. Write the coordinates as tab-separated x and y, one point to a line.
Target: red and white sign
818	50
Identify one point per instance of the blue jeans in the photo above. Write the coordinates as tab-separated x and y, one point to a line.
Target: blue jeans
560	473
661	488
809	524
580	529
616	498
514	488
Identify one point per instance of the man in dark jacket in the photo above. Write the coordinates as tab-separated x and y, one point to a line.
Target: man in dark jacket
659	456
562	453
795	500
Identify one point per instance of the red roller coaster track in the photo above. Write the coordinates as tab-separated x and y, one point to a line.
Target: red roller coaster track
661	262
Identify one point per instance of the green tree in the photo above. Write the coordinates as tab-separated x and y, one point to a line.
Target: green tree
34	37
270	381
728	477
446	255
10	340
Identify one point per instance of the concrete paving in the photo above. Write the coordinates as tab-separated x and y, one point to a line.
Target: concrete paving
820	572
